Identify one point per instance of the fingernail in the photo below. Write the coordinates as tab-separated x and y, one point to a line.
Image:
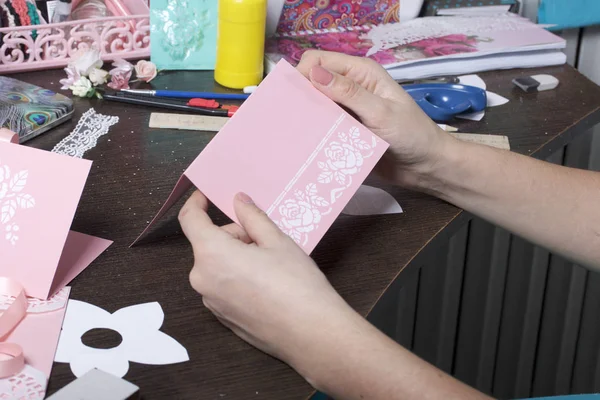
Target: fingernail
321	75
244	198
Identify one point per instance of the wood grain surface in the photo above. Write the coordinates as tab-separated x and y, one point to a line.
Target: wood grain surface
136	167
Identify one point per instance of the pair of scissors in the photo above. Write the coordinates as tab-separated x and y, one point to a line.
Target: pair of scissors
442	101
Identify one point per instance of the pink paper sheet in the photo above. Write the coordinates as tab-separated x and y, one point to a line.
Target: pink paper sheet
299	155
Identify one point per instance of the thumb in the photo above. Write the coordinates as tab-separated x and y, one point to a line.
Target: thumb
255	222
348	93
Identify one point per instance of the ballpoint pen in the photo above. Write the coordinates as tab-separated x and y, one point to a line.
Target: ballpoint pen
187	95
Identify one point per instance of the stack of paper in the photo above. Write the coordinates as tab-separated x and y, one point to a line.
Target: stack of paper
432	46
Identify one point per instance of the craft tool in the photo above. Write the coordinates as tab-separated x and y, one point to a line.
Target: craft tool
498	141
536	83
187	95
187	122
442	101
167	103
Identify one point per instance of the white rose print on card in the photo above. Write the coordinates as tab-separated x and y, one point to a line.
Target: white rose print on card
302	214
13	197
342	155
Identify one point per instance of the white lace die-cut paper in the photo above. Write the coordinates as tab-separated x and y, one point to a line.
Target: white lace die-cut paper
36	306
29	384
138	326
12	198
84	137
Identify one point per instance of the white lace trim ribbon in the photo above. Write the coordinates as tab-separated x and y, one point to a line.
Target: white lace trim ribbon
89	129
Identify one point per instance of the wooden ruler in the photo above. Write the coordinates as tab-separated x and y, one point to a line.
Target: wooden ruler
187	122
500	142
214	124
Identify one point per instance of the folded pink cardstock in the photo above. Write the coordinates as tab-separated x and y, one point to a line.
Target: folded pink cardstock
39	194
299	156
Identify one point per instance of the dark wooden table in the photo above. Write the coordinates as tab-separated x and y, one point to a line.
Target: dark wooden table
136	167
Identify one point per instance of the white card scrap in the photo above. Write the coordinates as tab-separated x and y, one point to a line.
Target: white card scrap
370	200
493	99
98	385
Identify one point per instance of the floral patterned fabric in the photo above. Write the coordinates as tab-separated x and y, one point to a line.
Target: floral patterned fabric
308	15
357	44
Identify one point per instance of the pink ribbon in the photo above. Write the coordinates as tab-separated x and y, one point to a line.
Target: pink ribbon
6	135
9	319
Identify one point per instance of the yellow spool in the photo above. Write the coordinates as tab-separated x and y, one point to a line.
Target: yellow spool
240	43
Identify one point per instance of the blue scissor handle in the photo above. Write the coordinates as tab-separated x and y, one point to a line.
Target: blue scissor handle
442	101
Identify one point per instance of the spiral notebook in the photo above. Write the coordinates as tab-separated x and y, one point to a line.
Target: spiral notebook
432	46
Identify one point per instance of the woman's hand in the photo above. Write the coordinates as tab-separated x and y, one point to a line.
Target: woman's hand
262	286
366	89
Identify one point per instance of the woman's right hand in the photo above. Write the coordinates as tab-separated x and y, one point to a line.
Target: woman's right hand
366	89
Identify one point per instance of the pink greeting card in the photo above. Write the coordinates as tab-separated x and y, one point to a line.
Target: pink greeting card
39	193
299	155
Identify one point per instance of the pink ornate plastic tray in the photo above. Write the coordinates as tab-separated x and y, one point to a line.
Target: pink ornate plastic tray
126	37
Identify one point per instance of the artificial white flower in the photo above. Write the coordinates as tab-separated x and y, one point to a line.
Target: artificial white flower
138	325
87	60
98	76
81	87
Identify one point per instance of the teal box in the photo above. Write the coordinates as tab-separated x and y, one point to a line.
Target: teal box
183	34
569	13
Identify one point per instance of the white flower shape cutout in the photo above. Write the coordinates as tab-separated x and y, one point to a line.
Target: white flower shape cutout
138	326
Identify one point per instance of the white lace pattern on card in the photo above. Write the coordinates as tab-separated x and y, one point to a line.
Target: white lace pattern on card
388	36
13	196
301	206
29	384
35	306
84	137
